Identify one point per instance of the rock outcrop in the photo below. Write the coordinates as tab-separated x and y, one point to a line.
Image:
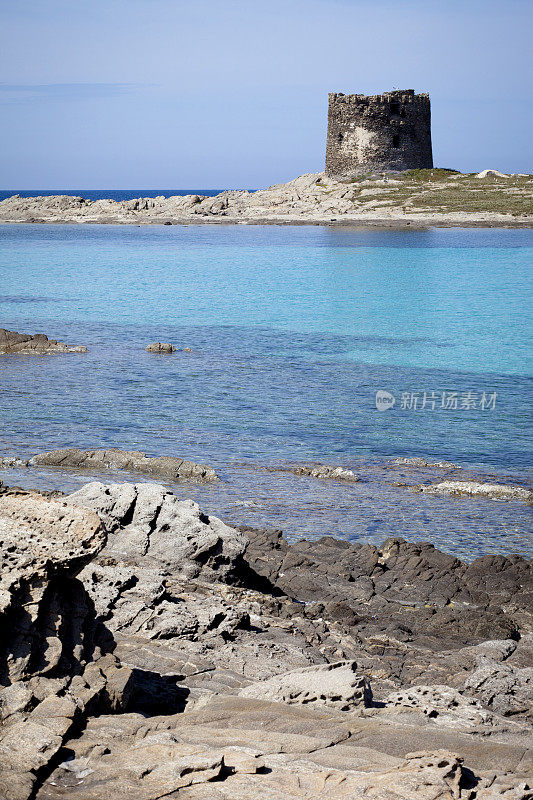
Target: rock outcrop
167	467
148	650
38	344
326	472
161	347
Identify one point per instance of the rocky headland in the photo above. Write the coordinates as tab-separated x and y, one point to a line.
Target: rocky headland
148	650
414	197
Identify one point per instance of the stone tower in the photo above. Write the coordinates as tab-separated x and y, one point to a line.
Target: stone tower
390	131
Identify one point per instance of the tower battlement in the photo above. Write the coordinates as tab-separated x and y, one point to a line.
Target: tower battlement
375	133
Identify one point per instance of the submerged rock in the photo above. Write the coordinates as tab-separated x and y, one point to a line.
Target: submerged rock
12	462
493	491
421	462
129	460
326	472
38	344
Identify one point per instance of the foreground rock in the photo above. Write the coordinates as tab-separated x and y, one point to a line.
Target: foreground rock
130	460
38	344
408	198
49	635
155	652
493	491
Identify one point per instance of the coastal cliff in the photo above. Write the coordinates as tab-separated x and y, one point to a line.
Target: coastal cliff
415	197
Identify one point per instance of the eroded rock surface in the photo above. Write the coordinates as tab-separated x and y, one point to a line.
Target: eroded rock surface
153	651
336	685
37	344
128	460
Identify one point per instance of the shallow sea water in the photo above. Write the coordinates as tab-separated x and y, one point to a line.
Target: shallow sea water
293	330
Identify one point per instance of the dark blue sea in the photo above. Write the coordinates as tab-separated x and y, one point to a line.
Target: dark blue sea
292	331
107	194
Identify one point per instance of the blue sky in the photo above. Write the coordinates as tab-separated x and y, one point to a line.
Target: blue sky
233	93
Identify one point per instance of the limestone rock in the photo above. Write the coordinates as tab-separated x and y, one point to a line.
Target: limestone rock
494	491
128	460
336	685
161	347
491	173
38	344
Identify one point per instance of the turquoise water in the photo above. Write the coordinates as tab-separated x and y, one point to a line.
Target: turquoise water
293	330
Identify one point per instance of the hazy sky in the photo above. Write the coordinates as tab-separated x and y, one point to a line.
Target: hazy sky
216	93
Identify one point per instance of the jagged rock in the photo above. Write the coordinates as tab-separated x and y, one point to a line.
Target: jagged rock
48	630
147	523
405	589
172	542
336	685
326	472
43	543
39	344
161	347
129	460
494	491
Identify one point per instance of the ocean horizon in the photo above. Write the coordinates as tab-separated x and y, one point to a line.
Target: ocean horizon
108	194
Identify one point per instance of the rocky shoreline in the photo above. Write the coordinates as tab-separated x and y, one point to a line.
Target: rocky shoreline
149	650
414	198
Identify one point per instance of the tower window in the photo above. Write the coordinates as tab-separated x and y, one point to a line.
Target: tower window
340	137
394	108
396	140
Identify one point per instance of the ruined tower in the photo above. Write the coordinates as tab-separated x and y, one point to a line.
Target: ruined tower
390	131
